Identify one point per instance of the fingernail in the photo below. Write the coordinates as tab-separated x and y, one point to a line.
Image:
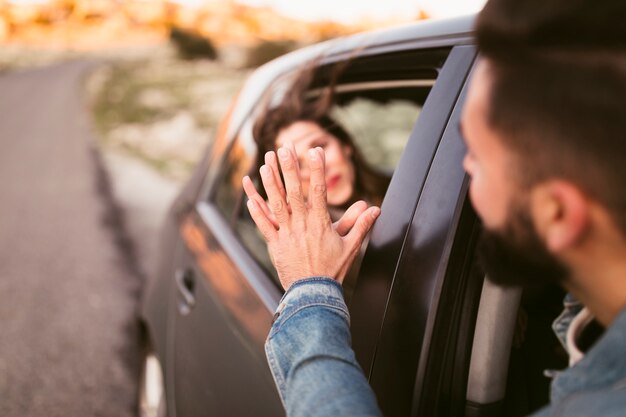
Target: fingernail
312	154
375	212
283	153
264	171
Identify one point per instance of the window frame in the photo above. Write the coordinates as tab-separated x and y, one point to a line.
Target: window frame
235	216
393	314
427	62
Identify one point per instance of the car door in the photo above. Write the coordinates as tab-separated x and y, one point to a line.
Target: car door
226	290
224	307
433	240
221	324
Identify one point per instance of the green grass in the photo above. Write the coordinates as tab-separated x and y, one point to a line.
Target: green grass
145	92
119	99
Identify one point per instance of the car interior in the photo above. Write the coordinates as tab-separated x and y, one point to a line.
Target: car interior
505	369
513	347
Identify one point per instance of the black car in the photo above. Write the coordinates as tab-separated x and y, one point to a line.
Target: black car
432	335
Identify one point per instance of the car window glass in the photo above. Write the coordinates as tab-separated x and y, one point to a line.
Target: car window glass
237	164
380	130
229	197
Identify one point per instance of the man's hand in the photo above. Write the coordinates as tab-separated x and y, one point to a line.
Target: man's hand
301	238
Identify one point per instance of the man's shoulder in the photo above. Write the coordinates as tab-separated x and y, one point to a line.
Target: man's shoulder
606	402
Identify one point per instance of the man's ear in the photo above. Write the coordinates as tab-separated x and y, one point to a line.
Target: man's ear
561	214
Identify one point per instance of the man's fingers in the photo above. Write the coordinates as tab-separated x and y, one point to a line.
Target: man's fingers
289	164
253	194
277	202
292	148
317	186
322	155
349	218
362	226
262	222
272	162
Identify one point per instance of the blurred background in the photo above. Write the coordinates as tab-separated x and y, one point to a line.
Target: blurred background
105	108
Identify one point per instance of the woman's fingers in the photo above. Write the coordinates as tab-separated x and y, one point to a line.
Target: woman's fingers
363	224
349	218
293	186
277	202
253	194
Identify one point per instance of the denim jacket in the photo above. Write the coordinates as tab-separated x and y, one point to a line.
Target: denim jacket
595	385
309	353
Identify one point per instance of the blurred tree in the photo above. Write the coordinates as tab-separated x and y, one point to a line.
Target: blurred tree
191	45
265	51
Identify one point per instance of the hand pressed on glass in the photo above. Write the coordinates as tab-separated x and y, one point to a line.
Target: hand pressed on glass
302	240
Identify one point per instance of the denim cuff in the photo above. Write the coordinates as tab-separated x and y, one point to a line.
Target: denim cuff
311	324
307	292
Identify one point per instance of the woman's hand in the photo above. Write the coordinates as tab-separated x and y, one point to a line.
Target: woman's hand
301	238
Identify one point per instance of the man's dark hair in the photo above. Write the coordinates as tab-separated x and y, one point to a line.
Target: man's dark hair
558	91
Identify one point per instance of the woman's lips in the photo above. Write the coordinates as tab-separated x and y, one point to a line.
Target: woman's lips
332	181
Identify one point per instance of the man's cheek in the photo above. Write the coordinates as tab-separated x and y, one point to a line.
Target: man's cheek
474	195
483	203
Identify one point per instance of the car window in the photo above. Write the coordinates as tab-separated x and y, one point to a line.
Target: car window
379	120
229	197
376	106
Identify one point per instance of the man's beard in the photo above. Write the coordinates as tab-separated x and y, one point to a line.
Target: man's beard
516	255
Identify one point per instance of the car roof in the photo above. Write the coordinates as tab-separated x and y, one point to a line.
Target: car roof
420	34
436	32
450	31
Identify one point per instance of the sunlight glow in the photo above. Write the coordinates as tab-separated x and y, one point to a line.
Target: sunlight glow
349	11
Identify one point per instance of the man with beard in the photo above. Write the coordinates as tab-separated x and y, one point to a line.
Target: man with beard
546	138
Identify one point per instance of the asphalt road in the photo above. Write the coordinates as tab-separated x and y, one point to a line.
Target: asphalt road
69	277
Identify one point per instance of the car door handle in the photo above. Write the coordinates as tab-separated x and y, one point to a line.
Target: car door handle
185	284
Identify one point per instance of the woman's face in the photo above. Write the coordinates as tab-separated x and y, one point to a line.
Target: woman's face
339	168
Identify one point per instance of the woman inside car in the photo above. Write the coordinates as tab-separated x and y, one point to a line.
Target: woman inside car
301	124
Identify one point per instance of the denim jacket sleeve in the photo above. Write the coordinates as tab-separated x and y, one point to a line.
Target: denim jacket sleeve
309	353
